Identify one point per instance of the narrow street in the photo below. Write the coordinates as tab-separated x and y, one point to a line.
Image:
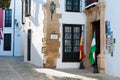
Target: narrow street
13	68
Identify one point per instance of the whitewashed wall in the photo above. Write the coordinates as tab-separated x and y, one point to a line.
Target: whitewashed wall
18	14
17	47
113	15
35	23
68	18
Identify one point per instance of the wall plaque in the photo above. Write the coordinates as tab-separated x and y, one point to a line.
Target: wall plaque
54	36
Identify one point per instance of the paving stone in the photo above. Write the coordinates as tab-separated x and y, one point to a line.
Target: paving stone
13	68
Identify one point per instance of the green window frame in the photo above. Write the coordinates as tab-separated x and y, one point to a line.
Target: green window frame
8	17
7	42
73	5
71	42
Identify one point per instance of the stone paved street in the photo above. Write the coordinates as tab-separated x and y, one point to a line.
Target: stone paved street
13	68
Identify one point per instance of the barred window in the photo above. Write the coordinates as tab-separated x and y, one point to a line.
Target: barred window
7	42
8	17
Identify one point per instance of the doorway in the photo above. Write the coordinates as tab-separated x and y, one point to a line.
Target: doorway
96	29
29	45
71	42
95	19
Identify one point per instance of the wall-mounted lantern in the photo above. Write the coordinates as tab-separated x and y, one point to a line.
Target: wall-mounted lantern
16	22
52	8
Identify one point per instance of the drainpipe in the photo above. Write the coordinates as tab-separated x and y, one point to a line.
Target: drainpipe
14	30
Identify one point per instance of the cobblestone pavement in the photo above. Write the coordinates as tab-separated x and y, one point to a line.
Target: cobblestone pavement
13	68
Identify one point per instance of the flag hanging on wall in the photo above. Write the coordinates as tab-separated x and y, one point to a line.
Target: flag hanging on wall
92	50
81	48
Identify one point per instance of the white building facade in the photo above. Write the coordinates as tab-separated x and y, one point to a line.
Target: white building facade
39	24
103	18
11	32
64	25
113	40
33	33
70	18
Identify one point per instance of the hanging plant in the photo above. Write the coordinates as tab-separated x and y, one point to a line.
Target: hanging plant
5	4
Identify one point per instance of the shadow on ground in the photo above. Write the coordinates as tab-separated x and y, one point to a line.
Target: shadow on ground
16	69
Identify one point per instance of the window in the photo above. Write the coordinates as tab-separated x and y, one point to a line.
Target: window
73	5
27	8
23	12
71	42
8	18
7	42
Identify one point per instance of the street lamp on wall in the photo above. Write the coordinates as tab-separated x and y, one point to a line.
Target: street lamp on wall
52	8
16	23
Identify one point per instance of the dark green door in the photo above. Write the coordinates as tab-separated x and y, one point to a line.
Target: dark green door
71	42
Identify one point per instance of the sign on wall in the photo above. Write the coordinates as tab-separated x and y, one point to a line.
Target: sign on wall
54	36
110	41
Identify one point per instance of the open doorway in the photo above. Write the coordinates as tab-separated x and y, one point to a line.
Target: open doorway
96	29
29	45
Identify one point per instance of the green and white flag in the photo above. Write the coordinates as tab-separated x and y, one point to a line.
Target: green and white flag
92	50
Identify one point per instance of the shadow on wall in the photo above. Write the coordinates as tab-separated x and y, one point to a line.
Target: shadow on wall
36	55
24	44
35	18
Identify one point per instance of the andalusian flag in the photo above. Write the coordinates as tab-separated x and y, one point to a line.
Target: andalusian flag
92	50
81	48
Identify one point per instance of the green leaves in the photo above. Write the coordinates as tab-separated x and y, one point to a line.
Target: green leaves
5	4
